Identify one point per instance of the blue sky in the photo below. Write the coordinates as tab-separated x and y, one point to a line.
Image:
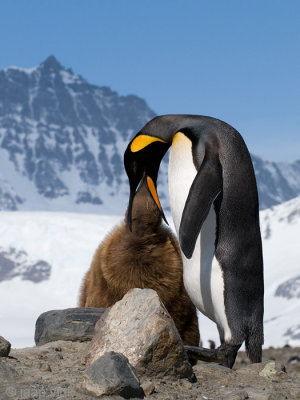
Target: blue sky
235	60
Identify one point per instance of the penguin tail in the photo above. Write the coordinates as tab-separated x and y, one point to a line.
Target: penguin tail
253	343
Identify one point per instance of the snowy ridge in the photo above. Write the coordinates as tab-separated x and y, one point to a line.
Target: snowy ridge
62	141
277	181
68	241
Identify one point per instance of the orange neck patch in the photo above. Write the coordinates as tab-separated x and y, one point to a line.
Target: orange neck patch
153	192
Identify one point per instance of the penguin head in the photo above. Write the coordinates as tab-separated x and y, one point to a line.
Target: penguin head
145	151
142	160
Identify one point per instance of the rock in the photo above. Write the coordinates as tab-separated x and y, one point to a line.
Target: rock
4	347
148	388
140	327
237	396
294	360
7	373
75	324
45	367
111	374
272	368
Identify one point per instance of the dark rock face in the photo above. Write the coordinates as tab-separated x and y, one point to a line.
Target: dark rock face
293	332
289	289
66	138
4	347
111	374
17	263
75	324
277	182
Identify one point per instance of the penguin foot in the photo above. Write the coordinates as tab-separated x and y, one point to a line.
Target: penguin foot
201	353
224	354
229	353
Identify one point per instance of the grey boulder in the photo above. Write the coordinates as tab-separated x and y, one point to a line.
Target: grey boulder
75	324
109	375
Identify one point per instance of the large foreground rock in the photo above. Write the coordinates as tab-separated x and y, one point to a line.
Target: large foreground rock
75	324
111	374
140	327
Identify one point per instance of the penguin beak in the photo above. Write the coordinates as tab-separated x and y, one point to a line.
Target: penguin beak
152	191
129	211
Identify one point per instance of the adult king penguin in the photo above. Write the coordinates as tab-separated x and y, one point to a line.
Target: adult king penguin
214	205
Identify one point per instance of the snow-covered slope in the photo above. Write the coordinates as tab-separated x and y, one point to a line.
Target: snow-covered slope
66	242
62	141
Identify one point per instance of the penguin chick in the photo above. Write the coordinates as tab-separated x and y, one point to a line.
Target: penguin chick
147	257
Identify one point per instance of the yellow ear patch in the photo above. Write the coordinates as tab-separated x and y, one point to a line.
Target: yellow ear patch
142	141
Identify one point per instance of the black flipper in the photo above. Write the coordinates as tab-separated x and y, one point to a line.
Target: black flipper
206	187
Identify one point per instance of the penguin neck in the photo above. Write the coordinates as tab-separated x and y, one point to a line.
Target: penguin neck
146	218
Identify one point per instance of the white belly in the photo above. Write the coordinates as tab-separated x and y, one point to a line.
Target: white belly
202	274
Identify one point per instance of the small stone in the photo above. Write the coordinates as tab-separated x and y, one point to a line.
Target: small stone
45	367
148	388
111	374
271	368
294	360
4	347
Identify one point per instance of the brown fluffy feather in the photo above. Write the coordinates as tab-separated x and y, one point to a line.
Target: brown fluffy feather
147	257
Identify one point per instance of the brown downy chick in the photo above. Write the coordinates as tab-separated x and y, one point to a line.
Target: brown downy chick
147	257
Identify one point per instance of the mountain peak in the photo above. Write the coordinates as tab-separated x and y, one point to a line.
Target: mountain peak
52	63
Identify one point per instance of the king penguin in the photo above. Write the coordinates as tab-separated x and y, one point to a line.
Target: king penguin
214	204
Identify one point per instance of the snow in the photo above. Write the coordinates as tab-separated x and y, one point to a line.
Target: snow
67	241
25	70
69	78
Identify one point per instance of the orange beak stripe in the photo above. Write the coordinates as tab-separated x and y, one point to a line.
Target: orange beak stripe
153	192
142	141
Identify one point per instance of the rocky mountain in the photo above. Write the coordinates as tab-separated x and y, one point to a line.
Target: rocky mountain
62	141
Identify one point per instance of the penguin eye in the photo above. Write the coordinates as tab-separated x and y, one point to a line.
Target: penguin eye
142	141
